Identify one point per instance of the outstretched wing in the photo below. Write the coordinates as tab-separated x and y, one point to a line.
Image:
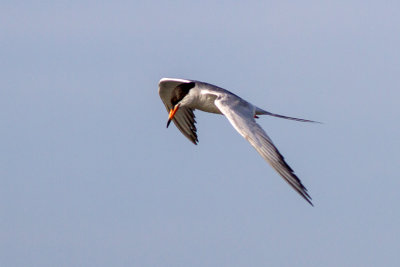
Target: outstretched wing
184	118
241	115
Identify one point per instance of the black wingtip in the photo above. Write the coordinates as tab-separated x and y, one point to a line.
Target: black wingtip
195	141
305	195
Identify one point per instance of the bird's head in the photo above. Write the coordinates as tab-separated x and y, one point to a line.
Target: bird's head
177	99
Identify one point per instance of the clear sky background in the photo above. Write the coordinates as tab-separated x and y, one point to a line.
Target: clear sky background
89	176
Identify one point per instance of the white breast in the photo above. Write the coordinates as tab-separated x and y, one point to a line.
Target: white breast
201	99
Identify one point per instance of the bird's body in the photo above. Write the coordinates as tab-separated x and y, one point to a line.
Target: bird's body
181	97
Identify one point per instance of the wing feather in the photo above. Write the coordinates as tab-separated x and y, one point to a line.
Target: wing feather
184	118
241	115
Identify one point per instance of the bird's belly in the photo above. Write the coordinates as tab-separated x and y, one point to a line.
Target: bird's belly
206	103
209	108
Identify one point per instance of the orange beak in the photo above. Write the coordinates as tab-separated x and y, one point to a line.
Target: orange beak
172	114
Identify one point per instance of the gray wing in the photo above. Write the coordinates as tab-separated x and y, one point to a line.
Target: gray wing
184	118
241	115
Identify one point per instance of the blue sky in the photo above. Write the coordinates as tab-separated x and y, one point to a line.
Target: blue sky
91	177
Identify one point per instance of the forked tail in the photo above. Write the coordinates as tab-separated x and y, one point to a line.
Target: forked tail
264	112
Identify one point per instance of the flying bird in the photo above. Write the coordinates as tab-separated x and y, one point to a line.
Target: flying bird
181	97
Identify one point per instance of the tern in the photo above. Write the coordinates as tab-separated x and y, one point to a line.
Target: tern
181	97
